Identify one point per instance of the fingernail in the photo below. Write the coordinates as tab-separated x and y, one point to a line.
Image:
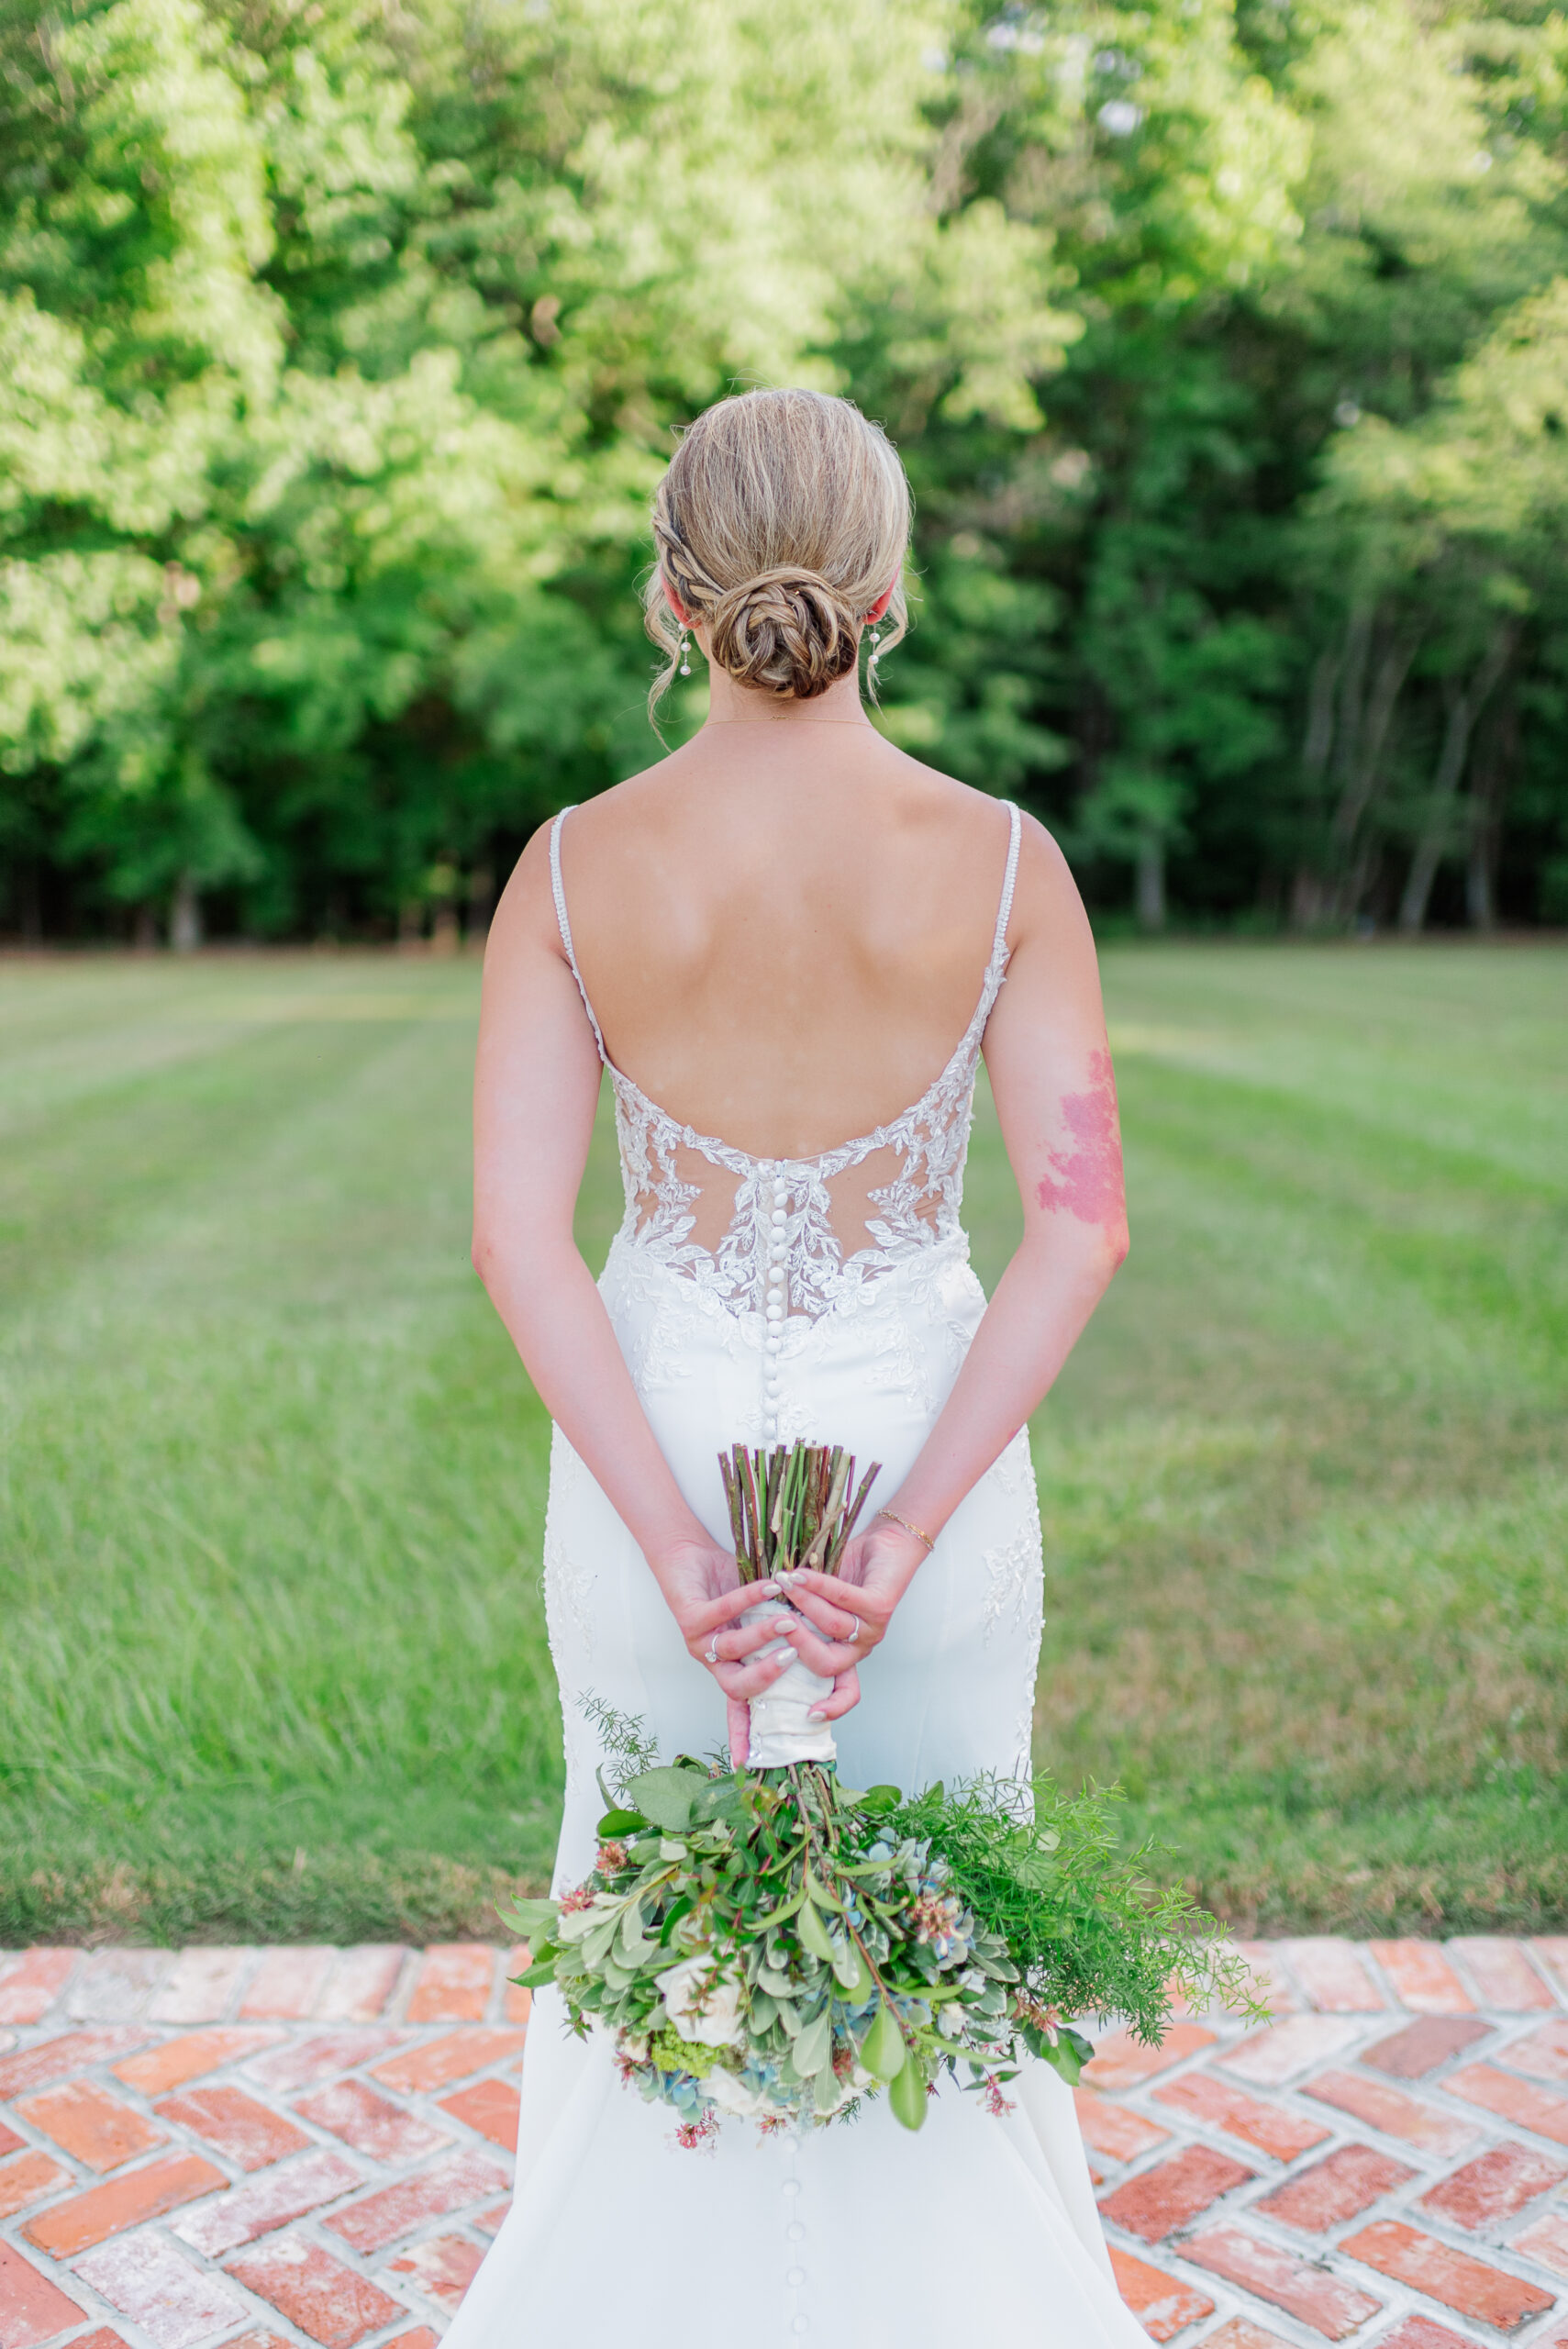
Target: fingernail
817	1714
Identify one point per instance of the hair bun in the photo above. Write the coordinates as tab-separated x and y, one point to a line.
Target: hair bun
786	631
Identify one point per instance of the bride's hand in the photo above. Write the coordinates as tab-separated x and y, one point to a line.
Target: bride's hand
840	1618
705	1596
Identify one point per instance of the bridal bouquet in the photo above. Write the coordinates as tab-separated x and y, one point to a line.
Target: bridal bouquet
768	1944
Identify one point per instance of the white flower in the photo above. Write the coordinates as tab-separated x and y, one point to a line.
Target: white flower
702	2007
732	2094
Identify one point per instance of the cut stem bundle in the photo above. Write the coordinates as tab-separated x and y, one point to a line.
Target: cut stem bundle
792	1506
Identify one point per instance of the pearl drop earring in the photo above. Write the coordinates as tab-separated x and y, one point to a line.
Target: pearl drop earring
875	650
685	650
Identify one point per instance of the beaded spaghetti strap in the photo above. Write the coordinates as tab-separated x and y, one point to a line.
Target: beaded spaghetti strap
558	890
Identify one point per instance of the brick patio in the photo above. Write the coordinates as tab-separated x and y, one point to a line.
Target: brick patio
253	2147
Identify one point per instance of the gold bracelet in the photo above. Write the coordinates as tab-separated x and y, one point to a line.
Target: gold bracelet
896	1520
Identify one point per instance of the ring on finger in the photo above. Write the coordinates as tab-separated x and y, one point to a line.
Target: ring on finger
712	1656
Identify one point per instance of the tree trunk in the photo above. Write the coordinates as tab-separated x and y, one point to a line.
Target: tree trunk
1464	707
1361	779
1151	894
1495	763
185	917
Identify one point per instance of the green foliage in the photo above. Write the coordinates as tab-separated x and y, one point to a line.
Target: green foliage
340	352
774	1944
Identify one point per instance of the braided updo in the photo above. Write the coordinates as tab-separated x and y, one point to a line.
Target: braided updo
780	523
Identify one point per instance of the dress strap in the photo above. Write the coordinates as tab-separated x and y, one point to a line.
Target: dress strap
558	891
1003	911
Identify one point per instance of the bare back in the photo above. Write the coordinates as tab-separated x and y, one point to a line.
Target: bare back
785	948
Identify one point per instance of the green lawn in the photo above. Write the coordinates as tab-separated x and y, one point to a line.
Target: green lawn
270	1482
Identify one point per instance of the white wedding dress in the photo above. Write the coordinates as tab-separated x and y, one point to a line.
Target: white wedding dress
979	2230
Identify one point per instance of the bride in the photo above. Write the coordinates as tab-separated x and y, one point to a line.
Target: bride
785	934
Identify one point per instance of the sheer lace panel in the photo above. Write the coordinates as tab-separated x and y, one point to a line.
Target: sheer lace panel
799	1235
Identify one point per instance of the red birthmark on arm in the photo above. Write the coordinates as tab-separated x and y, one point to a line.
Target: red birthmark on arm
1085	1177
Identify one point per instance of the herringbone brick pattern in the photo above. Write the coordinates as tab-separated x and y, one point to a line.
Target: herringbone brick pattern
258	2147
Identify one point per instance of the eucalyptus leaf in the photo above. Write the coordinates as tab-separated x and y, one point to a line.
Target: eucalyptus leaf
666	1797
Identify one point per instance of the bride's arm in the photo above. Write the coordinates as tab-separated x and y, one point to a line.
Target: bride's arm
536	1088
1050	1073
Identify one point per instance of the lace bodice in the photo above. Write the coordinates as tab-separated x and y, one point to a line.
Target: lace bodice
782	1252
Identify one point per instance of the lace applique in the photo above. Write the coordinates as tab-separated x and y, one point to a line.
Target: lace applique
782	1216
1011	1574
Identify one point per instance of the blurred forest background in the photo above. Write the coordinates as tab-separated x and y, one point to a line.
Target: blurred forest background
342	342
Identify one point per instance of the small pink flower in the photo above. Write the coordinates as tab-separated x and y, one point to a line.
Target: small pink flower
580	1896
994	2100
610	1858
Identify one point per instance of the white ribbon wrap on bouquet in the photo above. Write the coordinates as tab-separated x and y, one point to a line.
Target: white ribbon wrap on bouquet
781	1729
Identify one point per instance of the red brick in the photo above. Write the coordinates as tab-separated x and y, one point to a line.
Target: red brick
1173	2195
1112	2129
256	2338
1543	2054
373	2124
1505	1982
1305	2291
96	2127
1121	2063
1241	2333
1542	2111
28	2179
316	2292
516	2003
250	2133
107	2338
1473	2287
32	2309
1334	1976
491	2108
9	2140
1550	1952
447	2186
53	2059
1422	1977
1272	2128
286	1985
1163	2304
1416	2333
201	1985
267	2203
1420	2047
420	2338
1392	2111
175	2304
1495	2186
179	2060
1351	2179
491	2222
454	1984
124	2202
453	2056
442	2267
300	2064
1271	2057
1546	2241
31	1983
363	1982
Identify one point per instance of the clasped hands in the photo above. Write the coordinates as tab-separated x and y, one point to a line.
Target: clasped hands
831	1623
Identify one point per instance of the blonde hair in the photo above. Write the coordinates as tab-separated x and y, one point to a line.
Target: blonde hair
780	523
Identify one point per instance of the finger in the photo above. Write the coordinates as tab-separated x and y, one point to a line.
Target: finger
735	1646
846	1696
739	1716
848	1596
715	1612
751	1679
826	1658
829	1615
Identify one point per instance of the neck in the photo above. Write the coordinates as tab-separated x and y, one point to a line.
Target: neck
730	704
